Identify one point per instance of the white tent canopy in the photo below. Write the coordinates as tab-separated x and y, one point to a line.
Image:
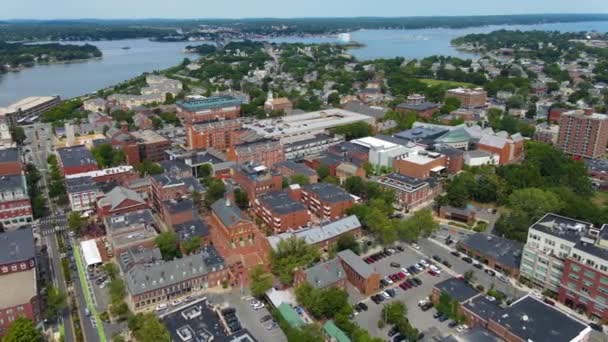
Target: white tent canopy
90	252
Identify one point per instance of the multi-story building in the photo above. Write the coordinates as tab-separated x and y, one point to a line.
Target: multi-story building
421	164
583	133
220	135
312	147
418	104
290	168
499	253
82	193
141	145
323	237
120	200
177	211
257	179
508	149
209	109
18	280
10	163
363	276
122	174
29	109
326	201
75	159
410	192
469	98
15	206
149	284
322	275
280	212
167	186
266	152
546	133
131	230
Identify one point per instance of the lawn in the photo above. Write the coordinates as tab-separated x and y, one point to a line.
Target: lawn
451	84
600	199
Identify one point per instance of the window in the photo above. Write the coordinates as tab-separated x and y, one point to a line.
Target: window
589	274
575	268
573	276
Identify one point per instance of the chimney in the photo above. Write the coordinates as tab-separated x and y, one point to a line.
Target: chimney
588	111
124	127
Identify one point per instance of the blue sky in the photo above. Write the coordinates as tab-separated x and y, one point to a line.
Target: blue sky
60	9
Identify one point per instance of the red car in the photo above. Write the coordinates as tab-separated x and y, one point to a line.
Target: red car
433	273
401	275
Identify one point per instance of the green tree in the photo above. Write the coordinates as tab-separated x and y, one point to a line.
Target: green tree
394	312
322	172
148	168
215	191
76	222
241	199
197	199
55	302
534	202
191	245
300	179
117	290
106	155
261	281
348	241
354	130
111	270
148	328
289	254
354	185
18	134
167	243
22	330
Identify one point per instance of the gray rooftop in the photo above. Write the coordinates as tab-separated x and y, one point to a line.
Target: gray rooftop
356	263
228	212
17	245
325	274
138	255
476	334
506	252
533	320
8	155
321	233
457	289
188	230
75	156
122	221
279	202
179	205
328	192
297	168
81	184
118	195
418	106
562	227
421	133
484	307
143	278
13	183
358	107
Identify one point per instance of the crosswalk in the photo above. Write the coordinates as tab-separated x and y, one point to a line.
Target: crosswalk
52	225
52	230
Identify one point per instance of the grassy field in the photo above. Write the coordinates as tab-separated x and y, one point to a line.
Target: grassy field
432	82
600	198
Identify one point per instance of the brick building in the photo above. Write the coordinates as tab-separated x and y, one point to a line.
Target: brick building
82	193
257	179
141	145
167	186
220	135
10	163
15	206
289	168
266	152
555	114
177	211
134	229
324	237
361	275
280	212
410	192
209	109
150	284
120	201
75	159
18	278
423	164
423	109
325	274
326	201
508	149
469	98
501	254
583	134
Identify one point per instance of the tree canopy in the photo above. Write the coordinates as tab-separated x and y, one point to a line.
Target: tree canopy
289	254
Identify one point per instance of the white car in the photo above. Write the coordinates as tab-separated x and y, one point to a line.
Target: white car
424	263
176	302
385	295
435	269
415	246
405	271
161	307
462	328
258	306
418	267
388	280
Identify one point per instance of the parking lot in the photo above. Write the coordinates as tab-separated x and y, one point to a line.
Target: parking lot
422	320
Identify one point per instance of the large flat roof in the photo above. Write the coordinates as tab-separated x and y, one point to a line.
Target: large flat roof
17	245
505	251
17	288
457	289
209	103
90	252
27	103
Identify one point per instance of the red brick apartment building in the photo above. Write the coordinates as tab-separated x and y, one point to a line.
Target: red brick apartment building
10	163
257	179
75	159
177	211
18	280
120	201
168	186
220	135
469	98
266	152
326	201
280	212
209	109
363	276
410	192
583	133
15	206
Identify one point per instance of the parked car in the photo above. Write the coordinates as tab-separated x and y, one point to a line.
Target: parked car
477	265
426	306
363	306
395	264
161	307
443	318
490	272
453	324
597	327
467	260
462	328
176	302
446	263
400	248
394	330
549	301
415	246
502	278
437	314
265	318
456	254
437	258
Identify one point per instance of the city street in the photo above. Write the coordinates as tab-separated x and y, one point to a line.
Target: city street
59	281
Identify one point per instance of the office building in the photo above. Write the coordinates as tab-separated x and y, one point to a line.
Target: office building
208	109
29	109
469	98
